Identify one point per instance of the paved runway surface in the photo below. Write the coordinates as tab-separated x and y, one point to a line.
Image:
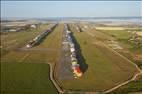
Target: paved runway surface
64	68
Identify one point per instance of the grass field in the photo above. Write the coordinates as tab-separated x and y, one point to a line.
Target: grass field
13	40
105	69
49	50
122	37
21	39
119	34
130	88
23	72
53	39
52	46
26	78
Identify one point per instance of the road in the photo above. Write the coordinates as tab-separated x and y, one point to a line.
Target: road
37	49
54	82
64	70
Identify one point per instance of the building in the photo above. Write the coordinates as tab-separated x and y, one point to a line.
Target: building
33	26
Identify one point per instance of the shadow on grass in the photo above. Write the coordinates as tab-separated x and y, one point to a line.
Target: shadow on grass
81	59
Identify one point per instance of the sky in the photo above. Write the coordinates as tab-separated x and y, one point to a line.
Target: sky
39	9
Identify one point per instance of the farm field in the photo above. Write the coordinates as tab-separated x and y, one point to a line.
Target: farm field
26	78
29	66
102	74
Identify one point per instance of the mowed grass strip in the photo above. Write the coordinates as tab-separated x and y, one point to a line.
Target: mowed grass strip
26	78
13	56
53	39
119	34
52	43
103	71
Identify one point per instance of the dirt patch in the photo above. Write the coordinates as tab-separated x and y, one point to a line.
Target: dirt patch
138	57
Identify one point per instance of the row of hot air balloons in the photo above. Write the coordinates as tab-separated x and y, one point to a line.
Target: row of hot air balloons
38	38
75	66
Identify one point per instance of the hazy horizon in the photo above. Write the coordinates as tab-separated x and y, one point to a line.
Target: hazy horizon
59	9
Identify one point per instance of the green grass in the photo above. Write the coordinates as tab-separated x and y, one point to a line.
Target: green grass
123	37
29	75
136	29
119	34
131	47
52	41
105	69
26	78
3	51
134	86
53	38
